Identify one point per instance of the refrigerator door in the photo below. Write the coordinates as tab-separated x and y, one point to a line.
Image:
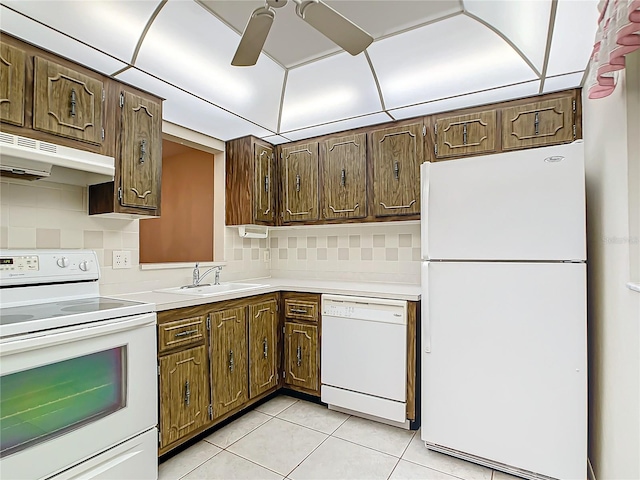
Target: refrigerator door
505	376
524	205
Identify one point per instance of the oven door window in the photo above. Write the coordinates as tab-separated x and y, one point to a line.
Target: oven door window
51	400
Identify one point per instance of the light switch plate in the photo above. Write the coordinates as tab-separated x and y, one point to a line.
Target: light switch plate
121	259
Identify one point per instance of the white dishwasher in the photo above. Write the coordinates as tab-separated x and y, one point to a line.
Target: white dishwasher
364	356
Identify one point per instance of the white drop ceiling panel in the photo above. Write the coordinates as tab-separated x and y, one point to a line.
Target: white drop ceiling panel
525	23
573	36
189	47
276	139
451	57
341	86
20	26
188	111
562	82
339	126
471	100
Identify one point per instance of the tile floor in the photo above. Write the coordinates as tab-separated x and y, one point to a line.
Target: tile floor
298	440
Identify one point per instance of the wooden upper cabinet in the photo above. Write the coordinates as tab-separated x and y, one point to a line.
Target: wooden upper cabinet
12	84
344	173
184	393
228	360
140	151
300	182
67	103
263	187
397	153
465	134
263	347
546	122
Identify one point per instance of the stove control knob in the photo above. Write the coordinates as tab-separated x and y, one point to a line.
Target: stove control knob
84	266
63	262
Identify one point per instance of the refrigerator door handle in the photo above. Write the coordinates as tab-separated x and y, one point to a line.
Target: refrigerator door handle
425	170
424	302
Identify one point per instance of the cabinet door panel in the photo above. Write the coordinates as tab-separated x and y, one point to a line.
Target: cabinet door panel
301	355
140	151
539	123
229	360
397	153
344	177
67	103
300	182
466	134
263	347
264	206
12	78
184	393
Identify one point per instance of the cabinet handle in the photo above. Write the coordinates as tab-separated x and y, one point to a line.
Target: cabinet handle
298	310
231	360
185	333
464	133
394	207
299	355
265	347
347	210
266	183
343	178
143	150
536	123
187	393
297	182
73	102
396	170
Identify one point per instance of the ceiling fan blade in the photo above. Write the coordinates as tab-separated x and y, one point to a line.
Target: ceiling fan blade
334	26
253	38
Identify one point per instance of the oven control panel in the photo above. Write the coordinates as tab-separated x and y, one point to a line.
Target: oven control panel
23	263
25	267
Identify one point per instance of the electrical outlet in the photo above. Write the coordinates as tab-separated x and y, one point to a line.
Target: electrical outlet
121	259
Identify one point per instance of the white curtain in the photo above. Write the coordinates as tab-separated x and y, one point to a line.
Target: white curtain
618	35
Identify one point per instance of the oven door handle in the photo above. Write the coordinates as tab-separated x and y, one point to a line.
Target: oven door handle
75	333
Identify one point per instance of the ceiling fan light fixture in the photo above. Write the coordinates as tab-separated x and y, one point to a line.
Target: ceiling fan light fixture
254	36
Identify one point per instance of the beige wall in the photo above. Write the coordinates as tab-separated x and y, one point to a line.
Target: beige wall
611	141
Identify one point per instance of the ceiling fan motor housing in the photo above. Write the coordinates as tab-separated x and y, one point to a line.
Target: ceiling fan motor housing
277	3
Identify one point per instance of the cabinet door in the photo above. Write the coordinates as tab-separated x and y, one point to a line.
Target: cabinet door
300	182
466	134
184	393
229	360
263	191
12	68
397	153
539	123
344	177
140	151
301	356
67	103
263	347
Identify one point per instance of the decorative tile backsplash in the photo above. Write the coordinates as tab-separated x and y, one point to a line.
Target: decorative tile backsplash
52	215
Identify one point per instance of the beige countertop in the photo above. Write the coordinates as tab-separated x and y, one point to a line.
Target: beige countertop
169	301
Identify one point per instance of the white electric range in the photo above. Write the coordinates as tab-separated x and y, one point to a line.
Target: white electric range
78	372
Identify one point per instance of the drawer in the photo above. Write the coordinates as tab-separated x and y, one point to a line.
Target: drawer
179	333
301	309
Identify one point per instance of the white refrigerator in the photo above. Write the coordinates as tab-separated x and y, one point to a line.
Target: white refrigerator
503	339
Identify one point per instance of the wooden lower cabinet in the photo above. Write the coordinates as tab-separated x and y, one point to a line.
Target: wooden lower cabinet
301	357
184	393
263	347
229	372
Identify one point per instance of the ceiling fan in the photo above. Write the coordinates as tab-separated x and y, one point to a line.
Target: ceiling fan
316	13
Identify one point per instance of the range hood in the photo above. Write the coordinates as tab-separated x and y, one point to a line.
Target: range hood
30	159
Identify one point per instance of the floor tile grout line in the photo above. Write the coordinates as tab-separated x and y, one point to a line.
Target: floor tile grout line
407	447
436	470
365	446
394	468
255	463
310	453
305	426
252	430
200	464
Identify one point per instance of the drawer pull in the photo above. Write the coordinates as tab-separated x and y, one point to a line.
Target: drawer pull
187	393
73	102
231	360
299	310
143	151
186	333
299	356
265	347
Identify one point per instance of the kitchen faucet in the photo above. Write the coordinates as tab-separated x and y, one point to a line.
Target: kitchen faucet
197	278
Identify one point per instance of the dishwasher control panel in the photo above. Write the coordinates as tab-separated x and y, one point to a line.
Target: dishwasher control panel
365	308
336	310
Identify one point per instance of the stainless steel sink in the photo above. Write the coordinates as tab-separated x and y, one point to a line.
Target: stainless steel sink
211	290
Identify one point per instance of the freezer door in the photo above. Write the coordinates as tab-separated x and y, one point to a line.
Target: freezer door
504	375
524	205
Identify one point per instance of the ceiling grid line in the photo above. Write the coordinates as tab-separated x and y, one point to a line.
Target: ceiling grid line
375	79
284	88
547	50
355	117
155	13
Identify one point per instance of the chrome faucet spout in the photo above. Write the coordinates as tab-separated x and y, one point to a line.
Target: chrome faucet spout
197	278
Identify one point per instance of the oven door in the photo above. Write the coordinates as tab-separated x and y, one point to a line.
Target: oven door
69	394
